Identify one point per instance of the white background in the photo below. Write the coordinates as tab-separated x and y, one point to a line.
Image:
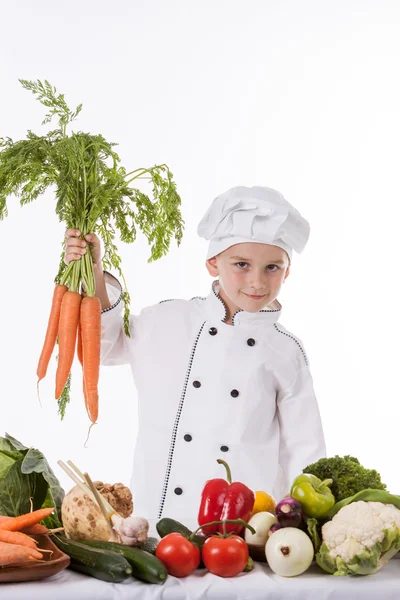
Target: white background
300	96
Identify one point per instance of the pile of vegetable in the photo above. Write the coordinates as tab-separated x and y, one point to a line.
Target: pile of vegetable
102	542
356	535
94	194
87	514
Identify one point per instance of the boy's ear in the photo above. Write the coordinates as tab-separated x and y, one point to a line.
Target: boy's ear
211	265
287	273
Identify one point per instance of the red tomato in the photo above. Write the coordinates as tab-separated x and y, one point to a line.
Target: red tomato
225	557
180	556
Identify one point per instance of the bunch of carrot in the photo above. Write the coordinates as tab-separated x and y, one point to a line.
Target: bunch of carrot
16	545
76	320
95	194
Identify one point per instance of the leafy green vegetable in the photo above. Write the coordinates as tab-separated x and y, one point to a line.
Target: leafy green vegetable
314	532
93	193
348	475
27	482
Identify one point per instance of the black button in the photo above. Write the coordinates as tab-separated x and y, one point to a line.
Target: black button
196	384
234	393
187	437
251	342
213	331
224	448
178	491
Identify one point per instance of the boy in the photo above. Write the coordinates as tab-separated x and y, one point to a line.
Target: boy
217	376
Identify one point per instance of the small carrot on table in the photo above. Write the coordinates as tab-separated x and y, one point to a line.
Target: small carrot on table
18	523
67	332
16	537
52	331
36	529
14	554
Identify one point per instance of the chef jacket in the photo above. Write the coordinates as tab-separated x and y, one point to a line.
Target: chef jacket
209	390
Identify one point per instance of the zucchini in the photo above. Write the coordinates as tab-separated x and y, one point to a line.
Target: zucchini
96	562
144	565
166	526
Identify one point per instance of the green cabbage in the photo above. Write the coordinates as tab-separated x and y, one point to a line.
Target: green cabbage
27	482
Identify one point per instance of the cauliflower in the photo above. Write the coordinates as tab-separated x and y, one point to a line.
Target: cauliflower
360	539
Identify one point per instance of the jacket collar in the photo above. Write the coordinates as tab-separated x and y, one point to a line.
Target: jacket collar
216	309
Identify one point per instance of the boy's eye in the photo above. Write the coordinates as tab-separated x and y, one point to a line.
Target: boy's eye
243	265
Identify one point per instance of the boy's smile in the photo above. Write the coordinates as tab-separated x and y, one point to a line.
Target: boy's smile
250	275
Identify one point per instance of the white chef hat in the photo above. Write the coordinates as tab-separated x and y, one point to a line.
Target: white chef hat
253	214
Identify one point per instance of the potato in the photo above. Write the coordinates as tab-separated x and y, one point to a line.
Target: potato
82	518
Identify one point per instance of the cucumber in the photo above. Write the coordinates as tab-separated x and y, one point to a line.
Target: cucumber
98	563
150	545
166	526
144	565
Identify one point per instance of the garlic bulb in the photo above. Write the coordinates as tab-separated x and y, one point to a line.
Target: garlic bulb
130	531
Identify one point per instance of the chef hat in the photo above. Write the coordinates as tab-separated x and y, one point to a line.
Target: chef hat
253	214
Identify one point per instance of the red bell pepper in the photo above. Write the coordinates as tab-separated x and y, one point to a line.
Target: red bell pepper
221	500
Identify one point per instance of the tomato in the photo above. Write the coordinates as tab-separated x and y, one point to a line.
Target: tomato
225	557
178	554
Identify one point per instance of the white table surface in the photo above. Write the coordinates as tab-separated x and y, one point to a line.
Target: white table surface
259	584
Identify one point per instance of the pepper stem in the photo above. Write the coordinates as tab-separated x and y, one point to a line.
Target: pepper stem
228	471
325	483
223	523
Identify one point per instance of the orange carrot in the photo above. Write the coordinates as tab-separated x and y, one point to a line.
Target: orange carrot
67	330
36	529
84	392
15	537
5	519
52	331
11	554
90	321
18	523
79	344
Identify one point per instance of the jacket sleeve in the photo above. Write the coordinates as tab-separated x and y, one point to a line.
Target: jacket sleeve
301	435
115	344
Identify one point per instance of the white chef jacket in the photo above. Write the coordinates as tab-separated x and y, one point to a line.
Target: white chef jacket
209	390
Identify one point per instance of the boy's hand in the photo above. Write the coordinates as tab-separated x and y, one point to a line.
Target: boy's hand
75	247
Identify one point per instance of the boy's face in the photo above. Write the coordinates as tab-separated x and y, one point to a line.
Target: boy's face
250	275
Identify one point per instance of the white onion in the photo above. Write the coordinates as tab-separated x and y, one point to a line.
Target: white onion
289	552
262	523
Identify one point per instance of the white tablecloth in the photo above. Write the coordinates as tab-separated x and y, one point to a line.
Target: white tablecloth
259	584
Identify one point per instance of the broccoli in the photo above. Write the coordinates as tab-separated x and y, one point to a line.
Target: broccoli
348	475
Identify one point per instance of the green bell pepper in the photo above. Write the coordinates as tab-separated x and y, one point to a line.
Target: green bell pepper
313	494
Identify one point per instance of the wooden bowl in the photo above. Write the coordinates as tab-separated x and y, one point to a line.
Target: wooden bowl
50	565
